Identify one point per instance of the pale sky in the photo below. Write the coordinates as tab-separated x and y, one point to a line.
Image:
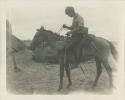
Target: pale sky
102	18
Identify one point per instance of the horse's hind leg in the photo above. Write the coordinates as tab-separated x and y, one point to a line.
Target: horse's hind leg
99	71
67	68
109	71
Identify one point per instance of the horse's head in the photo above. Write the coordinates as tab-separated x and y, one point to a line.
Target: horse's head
44	36
38	39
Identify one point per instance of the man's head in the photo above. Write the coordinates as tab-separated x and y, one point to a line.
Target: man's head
70	11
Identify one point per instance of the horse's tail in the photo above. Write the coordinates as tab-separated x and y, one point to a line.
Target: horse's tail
113	51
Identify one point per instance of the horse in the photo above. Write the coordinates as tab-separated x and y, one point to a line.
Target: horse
100	51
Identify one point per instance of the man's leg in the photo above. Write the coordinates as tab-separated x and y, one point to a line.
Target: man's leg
83	43
79	48
75	51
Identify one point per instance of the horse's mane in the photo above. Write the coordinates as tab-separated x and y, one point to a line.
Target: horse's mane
54	35
49	31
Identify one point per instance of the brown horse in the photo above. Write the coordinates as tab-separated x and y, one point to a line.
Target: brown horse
99	49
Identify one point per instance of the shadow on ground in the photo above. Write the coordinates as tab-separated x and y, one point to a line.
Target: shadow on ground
39	78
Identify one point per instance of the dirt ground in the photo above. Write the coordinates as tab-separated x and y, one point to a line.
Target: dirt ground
41	78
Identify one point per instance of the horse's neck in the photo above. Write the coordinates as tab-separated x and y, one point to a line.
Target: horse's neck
51	43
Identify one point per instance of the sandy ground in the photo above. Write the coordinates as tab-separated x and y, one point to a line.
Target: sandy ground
39	78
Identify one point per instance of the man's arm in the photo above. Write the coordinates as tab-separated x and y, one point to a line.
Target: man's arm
72	29
78	24
65	26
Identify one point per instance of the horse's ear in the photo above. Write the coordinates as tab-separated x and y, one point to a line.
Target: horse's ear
37	30
41	28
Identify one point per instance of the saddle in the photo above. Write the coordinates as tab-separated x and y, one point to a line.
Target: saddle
85	30
85	45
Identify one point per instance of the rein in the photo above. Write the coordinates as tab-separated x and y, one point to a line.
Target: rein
60	30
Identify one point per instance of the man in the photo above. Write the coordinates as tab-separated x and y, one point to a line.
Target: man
77	32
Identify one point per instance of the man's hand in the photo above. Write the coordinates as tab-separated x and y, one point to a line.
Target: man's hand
64	26
67	27
69	34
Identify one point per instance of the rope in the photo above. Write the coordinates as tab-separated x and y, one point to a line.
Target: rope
60	30
82	70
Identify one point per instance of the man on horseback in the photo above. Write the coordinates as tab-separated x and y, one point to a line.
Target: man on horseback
77	32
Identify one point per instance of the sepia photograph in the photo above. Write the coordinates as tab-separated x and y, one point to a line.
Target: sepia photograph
64	47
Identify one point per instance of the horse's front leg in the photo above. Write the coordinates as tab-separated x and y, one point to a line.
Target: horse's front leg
67	68
61	77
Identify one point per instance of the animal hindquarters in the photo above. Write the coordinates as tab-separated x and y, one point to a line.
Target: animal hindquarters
113	50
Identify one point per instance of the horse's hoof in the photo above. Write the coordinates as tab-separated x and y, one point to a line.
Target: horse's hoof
93	86
68	86
59	89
